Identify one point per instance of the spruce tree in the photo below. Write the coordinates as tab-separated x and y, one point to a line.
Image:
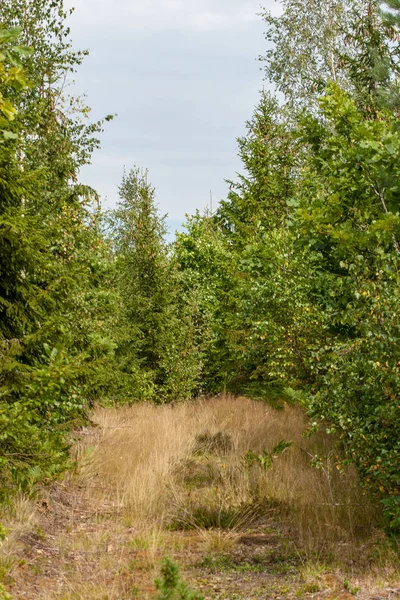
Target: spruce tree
258	200
52	252
156	343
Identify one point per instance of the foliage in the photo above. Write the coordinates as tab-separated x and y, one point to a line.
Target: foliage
348	221
205	263
259	197
4	595
12	77
171	586
51	251
302	258
3	533
306	43
266	459
219	443
290	292
349	42
156	347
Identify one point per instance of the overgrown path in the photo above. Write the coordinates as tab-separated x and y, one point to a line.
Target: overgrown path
179	481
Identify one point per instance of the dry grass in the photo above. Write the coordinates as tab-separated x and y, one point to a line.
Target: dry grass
17	520
152	481
148	462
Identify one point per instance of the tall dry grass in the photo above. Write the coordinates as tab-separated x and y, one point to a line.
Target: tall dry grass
16	519
148	462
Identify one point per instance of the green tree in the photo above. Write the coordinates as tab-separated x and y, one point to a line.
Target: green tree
348	223
310	307
52	253
171	586
205	262
260	196
156	344
350	42
306	45
28	395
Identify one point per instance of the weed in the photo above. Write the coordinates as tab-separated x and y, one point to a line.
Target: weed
146	469
217	540
217	562
207	517
139	543
266	459
36	569
197	473
4	595
3	533
159	475
311	573
39	534
351	589
6	565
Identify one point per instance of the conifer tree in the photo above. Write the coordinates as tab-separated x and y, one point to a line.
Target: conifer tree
29	436
52	254
259	198
156	344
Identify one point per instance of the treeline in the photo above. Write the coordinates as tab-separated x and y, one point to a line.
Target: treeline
288	293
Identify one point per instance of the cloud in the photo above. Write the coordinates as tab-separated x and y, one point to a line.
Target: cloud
162	15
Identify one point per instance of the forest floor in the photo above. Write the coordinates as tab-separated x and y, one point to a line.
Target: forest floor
178	481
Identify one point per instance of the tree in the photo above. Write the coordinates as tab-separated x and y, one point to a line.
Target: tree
349	42
28	395
254	223
311	307
156	344
51	249
307	43
348	223
260	196
205	262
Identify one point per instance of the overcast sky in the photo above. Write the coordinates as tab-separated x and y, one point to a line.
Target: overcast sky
183	77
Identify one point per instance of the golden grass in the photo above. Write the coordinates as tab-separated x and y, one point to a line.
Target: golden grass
17	519
156	480
145	461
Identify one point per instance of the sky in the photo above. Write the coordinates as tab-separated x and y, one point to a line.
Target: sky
183	78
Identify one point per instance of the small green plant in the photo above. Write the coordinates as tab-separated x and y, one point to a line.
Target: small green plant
218	563
4	595
392	514
3	533
210	517
266	459
351	589
170	586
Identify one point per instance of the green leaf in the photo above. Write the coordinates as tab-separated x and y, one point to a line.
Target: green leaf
9	135
9	35
24	51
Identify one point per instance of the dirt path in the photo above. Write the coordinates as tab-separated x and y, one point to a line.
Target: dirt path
147	488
